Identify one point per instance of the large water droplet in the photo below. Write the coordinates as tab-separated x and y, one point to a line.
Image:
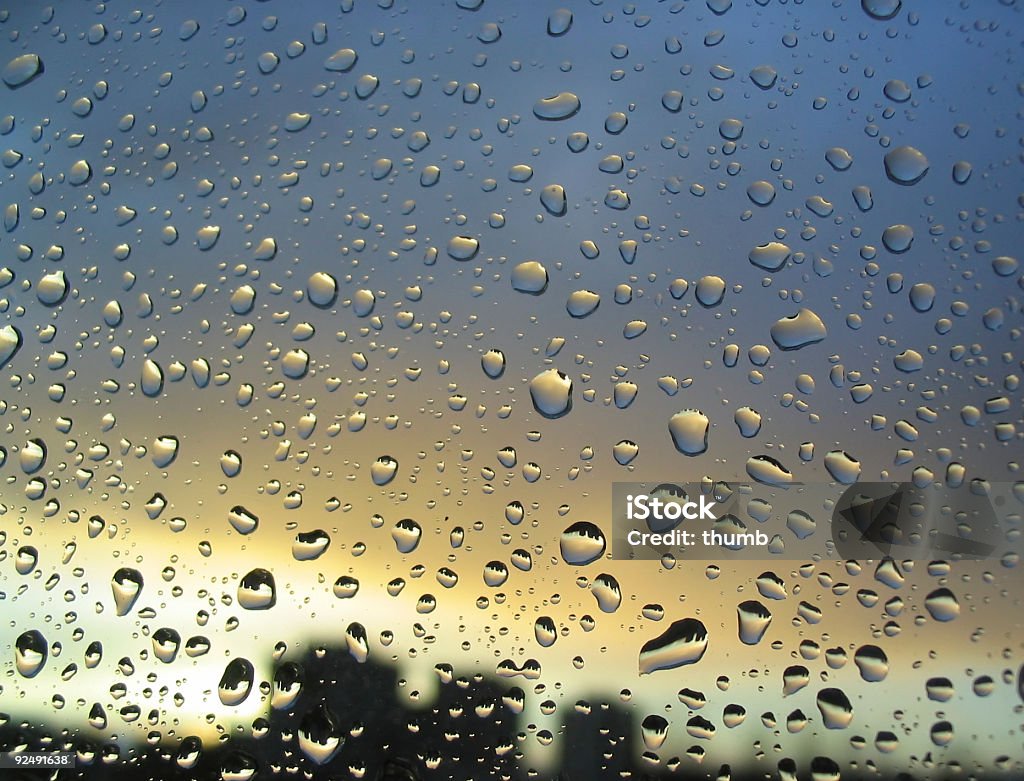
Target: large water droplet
545	631
22	69
654	730
127	586
30	652
689	429
10	343
289	679
798	331
530	277
684	642
607	592
557	107
582	543
881	9
406	534
872	663
835	708
320	735
942	604
754	620
905	165
843	467
243	521
383	470
166	642
559	21
551	392
257	590
236	682
341	61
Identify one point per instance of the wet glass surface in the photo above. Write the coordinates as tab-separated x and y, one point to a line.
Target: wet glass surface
326	329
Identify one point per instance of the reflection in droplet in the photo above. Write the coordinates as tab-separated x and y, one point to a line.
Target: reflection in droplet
754	620
905	165
551	392
582	543
684	642
257	590
30	652
557	107
798	331
689	429
835	708
127	586
236	682
320	735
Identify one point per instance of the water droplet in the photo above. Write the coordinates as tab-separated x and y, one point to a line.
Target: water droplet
553	199
346	587
257	590
942	604
322	290
127	586
493	363
545	632
406	534
342	61
356	640
320	735
838	158
30	652
835	708
561	106
10	343
684	642
311	545
898	238
383	470
798	331
624	451
909	361
872	663
236	682
764	76
166	643
654	730
843	467
582	303
607	592
152	382
189	752
164	451
551	392
559	22
243	521
766	469
710	290
794	678
881	9
463	247
748	421
530	277
762	193
754	620
582	543
905	165
22	69
238	766
689	430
